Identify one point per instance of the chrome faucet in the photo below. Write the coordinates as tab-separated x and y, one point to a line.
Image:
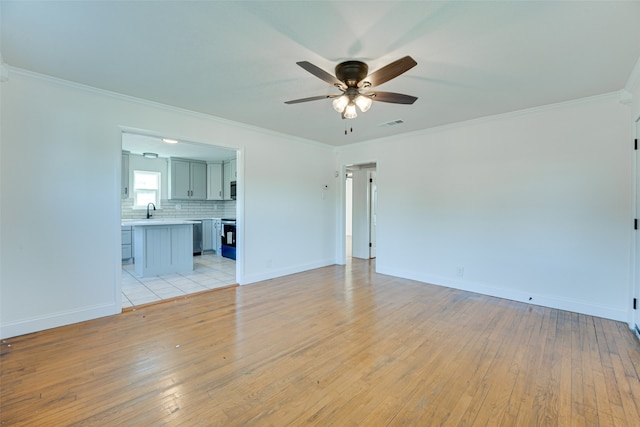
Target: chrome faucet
149	215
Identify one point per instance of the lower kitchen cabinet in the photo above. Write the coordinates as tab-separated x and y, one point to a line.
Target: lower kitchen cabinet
207	235
163	248
127	245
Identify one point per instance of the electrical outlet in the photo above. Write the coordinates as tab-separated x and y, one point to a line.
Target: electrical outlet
269	263
460	271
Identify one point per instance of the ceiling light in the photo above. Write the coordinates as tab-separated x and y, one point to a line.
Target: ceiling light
346	104
339	104
150	155
170	141
350	111
363	102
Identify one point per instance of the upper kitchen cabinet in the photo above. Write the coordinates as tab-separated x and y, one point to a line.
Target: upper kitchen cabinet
214	181
230	175
187	179
124	180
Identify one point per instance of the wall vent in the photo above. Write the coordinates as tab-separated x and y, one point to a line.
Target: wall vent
392	123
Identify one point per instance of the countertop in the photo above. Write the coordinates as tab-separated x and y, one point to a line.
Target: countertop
152	222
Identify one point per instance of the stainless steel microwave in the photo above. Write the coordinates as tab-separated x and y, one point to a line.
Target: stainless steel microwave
233	190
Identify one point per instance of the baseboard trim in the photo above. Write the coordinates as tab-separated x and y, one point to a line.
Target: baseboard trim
272	274
513	295
14	329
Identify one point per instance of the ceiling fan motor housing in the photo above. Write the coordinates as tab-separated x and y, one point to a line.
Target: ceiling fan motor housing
351	72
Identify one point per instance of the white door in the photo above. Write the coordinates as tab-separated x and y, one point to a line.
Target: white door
348	218
360	215
373	202
363	213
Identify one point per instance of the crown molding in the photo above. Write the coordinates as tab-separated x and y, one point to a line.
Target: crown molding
160	106
611	96
4	70
633	82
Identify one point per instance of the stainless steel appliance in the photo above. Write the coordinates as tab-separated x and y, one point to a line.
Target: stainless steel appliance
217	235
233	190
229	238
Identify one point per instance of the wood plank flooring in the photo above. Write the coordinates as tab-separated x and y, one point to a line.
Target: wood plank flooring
334	346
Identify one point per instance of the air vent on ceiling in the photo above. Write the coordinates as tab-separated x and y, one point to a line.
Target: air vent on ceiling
392	123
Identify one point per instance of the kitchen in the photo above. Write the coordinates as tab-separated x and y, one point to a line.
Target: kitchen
178	213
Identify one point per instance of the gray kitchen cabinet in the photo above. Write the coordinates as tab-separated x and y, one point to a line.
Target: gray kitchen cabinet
187	179
207	235
163	247
199	181
214	181
124	180
127	245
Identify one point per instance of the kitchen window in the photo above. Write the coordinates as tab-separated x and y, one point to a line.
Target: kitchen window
146	188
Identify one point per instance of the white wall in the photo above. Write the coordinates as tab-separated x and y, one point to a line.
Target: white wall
534	206
60	212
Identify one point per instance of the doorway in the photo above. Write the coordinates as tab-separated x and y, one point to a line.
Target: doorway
361	211
149	154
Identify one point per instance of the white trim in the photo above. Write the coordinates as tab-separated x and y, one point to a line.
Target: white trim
4	70
240	203
634	238
341	208
55	320
166	107
487	119
273	274
519	296
634	78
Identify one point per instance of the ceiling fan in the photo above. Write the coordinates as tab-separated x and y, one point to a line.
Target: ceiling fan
353	80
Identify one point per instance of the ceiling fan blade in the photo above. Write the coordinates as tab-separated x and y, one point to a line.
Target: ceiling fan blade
321	74
388	72
313	98
394	98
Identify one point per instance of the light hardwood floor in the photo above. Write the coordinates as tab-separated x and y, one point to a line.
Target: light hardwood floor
335	346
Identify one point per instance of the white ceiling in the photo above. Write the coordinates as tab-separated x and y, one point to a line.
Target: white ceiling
237	59
140	144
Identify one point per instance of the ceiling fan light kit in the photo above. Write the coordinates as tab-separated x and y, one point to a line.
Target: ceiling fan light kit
351	77
363	102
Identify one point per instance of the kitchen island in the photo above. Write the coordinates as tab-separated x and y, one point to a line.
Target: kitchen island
161	246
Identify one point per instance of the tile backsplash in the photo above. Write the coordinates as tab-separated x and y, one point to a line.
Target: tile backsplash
187	209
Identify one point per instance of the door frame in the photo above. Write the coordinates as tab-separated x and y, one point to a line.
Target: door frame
341	257
372	189
634	318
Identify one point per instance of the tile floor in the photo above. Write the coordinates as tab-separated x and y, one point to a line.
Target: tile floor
210	271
